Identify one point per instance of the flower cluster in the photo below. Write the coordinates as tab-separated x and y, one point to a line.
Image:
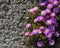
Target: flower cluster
48	20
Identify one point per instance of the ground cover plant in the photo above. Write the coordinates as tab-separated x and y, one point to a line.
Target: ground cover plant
43	25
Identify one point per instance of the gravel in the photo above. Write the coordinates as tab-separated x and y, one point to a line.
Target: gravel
12	22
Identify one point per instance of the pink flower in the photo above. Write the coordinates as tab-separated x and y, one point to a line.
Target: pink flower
52	14
26	33
39	31
28	25
48	22
30	34
35	20
27	18
33	10
42	3
50	0
39	18
46	31
49	6
34	32
41	27
55	2
48	10
43	12
59	6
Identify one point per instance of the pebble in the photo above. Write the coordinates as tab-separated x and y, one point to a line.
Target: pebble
12	22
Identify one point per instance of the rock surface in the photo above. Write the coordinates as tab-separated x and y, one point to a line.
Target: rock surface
12	22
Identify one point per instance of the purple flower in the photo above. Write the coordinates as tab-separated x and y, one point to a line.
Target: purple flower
28	25
46	17
42	3
40	18
48	35
49	6
51	28
57	34
43	12
56	23
34	32
40	44
46	31
35	20
51	42
48	22
53	14
56	10
53	19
